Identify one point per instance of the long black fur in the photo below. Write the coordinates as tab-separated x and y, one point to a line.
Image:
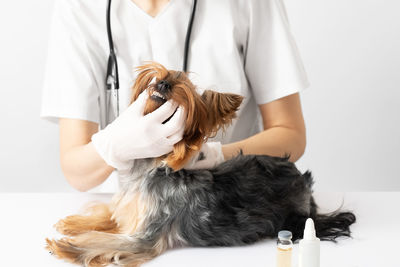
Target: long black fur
241	201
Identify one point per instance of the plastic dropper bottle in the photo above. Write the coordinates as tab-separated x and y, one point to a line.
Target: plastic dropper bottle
285	245
309	247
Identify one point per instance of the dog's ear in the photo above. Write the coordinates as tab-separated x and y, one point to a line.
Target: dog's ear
221	108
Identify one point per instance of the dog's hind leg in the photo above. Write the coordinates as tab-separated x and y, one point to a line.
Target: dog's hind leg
97	218
100	249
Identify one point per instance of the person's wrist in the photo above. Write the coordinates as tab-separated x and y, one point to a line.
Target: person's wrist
219	154
97	159
101	142
231	150
224	152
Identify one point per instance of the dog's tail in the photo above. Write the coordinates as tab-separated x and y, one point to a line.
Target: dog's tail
101	249
328	226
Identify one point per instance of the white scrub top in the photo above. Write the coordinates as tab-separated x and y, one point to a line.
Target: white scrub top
237	46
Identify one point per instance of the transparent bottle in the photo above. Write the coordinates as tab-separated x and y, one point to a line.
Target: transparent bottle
284	251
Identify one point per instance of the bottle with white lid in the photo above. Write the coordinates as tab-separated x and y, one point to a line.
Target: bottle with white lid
309	247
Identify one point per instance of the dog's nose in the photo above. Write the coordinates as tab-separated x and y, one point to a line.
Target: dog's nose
164	87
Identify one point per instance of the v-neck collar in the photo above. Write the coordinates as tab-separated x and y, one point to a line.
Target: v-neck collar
148	16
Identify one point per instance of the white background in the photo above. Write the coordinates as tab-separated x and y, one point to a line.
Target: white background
351	51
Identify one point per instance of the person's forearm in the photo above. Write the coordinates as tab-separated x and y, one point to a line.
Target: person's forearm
276	141
84	168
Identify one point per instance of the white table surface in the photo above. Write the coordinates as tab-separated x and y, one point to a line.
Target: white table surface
27	218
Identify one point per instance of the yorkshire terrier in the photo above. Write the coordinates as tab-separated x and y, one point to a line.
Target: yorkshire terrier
161	205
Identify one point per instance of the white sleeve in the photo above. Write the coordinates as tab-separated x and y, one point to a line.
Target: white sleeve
70	89
273	65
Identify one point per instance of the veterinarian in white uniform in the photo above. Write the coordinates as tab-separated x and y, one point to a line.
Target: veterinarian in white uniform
237	46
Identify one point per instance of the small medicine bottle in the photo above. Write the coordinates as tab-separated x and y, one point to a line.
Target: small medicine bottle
309	246
284	253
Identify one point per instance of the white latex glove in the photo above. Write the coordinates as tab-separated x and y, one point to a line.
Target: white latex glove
133	135
209	156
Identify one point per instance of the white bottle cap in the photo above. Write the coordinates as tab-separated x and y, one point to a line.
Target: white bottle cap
309	230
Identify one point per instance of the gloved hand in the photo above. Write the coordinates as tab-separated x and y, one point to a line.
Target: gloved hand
209	156
133	135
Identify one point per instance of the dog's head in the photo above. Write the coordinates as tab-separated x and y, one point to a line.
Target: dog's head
206	113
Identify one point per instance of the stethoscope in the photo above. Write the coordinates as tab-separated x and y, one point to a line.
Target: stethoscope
112	79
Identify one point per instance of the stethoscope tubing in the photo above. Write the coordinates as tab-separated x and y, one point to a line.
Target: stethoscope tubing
188	33
112	78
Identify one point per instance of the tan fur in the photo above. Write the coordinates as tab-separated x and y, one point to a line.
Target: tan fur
101	249
98	218
130	222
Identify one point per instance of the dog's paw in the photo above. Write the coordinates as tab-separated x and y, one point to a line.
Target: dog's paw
62	228
68	226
